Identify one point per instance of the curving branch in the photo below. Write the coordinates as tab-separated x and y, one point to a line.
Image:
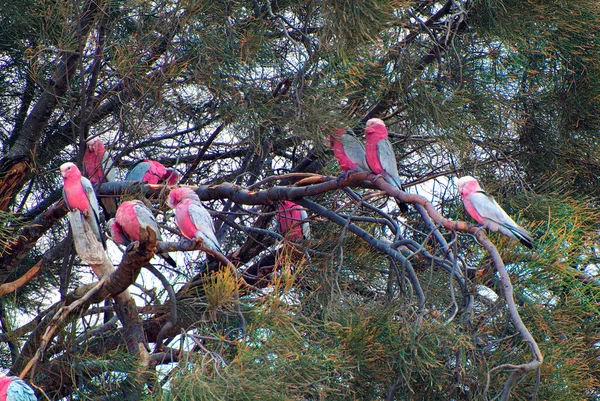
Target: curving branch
318	185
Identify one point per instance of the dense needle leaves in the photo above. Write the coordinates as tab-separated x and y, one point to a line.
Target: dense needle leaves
239	97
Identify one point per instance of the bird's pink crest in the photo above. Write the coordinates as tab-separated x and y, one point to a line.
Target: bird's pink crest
376	128
70	171
179	194
92	160
95	146
467	185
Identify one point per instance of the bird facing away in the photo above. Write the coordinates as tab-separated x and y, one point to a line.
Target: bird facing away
192	218
380	156
348	151
484	209
78	193
95	162
13	388
130	218
152	172
291	218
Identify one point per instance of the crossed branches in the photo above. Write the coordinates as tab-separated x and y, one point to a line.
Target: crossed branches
316	185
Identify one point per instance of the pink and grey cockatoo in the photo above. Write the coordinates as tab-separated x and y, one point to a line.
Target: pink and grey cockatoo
292	220
192	218
380	156
349	151
78	193
152	172
484	209
13	388
125	227
95	164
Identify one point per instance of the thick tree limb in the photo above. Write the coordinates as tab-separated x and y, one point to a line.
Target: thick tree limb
22	152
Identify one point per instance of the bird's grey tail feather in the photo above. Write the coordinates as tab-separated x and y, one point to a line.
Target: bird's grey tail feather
167	258
395	182
523	236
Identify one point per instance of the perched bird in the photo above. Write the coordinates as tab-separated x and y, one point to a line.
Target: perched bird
192	218
13	388
152	172
78	193
95	162
380	156
348	150
171	176
291	218
125	227
483	208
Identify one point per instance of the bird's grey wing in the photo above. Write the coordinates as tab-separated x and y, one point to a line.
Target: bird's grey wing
497	219
89	190
387	158
137	172
202	220
355	150
305	224
489	209
66	201
18	390
107	167
95	219
146	218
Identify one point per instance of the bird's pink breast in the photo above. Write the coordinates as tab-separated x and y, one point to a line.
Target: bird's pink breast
469	189
372	155
184	220
343	159
93	167
374	134
128	221
4	383
76	196
289	217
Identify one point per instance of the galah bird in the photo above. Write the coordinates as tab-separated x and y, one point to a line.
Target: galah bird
484	209
192	218
125	227
380	156
95	162
348	150
78	193
13	388
152	172
292	221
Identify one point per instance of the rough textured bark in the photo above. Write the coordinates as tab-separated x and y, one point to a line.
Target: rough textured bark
17	164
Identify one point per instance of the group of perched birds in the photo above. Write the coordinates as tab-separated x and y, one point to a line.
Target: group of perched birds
130	217
377	155
194	221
